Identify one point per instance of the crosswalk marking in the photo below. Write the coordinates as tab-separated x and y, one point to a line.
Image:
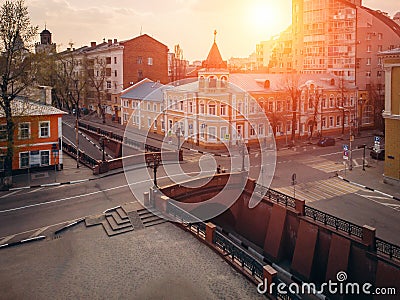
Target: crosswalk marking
38	232
322	164
319	190
6	239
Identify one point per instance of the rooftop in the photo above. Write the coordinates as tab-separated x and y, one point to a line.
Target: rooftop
21	107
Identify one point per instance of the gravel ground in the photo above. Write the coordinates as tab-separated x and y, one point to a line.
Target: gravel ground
160	262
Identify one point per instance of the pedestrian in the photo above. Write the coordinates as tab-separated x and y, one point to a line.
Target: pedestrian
219	169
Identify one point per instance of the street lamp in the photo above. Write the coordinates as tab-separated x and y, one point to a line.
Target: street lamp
359	114
242	152
359	147
102	142
153	161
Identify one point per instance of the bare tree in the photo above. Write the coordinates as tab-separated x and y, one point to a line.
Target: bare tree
96	77
291	85
17	66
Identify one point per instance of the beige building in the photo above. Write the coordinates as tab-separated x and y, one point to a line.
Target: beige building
391	61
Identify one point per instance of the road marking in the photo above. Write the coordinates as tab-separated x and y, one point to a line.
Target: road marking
395	206
39	231
6	239
9	194
93	193
34	190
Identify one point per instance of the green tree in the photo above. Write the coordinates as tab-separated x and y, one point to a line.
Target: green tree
17	66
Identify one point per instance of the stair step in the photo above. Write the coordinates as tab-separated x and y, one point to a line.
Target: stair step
117	218
121	213
154	222
111	232
149	219
135	220
115	226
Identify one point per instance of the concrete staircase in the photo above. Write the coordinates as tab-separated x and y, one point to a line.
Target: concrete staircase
149	217
125	218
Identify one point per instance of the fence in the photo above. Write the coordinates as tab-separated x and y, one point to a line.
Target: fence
83	157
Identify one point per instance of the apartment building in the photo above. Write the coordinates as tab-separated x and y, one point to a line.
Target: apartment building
112	66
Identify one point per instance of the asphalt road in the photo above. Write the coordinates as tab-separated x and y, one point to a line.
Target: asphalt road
26	210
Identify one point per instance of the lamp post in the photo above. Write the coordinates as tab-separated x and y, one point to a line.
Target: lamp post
242	152
153	161
102	142
360	113
359	147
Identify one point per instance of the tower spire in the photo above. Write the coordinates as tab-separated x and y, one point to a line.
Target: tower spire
215	35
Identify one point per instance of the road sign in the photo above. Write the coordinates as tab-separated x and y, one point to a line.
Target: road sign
377	139
345	152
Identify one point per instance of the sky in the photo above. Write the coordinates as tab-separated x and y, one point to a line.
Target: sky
240	24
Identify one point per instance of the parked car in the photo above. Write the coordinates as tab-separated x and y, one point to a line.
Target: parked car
326	141
377	154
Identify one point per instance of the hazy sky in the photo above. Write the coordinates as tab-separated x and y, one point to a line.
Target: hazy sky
240	24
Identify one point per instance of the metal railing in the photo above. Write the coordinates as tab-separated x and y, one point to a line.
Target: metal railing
275	196
245	260
83	157
389	249
334	222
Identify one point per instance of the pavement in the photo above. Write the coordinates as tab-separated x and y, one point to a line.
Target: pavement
159	262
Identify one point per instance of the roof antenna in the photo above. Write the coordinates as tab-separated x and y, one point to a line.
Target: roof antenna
140	30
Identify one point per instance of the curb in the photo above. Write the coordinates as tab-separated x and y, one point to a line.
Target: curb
369	188
68	226
36	238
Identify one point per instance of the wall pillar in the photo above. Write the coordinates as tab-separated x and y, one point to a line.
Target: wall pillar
270	275
210	232
369	236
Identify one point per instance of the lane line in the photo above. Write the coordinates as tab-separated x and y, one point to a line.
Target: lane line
9	194
39	231
6	239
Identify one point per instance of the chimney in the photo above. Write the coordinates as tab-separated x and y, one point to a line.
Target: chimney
92	44
109	42
115	41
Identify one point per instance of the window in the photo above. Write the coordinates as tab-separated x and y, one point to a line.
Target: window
44	129
211	109
44	158
368	74
23	160
140	75
368	61
148	123
369	48
270	106
378	73
148	107
212	82
24	131
155	107
212	133
324	122
202	108
108	72
223	110
368	36
3	132
115	60
261	129
108	85
108	60
380	36
252	131
115	73
338	121
331	121
190	107
380	48
139	60
150	61
224	133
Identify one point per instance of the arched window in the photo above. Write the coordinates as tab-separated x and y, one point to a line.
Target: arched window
267	84
224	82
201	82
212	82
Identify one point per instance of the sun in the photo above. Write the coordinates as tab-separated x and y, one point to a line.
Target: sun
262	16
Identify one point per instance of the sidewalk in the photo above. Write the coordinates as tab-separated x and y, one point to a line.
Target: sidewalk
371	178
48	177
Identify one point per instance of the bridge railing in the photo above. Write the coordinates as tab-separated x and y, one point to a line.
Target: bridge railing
83	157
386	248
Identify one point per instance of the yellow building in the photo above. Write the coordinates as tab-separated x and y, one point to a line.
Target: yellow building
391	60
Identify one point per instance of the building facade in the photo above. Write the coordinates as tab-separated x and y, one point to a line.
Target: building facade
112	66
391	62
37	135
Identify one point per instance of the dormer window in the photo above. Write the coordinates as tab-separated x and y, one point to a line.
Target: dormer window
212	82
